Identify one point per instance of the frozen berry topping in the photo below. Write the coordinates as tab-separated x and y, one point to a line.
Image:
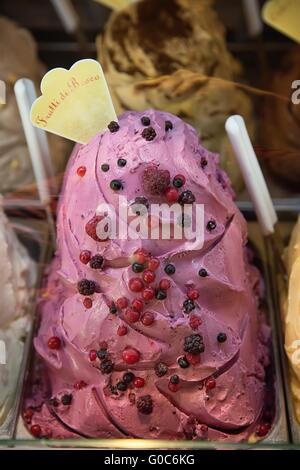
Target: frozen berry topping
161	369
66	399
113	126
183	363
86	287
187	197
211	225
144	405
203	272
131	355
102	353
145	120
168	125
160	294
128	377
91	228
155	181
188	305
121	386
105	167
170	269
116	185
149	134
81	171
87	302
122	162
178	181
85	256
96	262
54	342
222	337
137	267
194	344
106	366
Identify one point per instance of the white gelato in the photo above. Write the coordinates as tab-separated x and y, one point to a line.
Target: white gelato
17	276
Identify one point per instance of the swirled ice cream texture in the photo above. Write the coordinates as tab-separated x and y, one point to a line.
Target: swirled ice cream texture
227	303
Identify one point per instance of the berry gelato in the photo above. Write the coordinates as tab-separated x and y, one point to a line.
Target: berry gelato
149	338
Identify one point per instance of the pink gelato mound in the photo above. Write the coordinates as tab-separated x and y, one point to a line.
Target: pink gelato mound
195	355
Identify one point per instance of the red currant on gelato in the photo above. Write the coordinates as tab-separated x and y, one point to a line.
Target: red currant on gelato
122	330
148	293
136	284
130	356
81	171
122	303
172	195
85	256
148	318
138	382
148	276
54	342
153	264
36	430
132	316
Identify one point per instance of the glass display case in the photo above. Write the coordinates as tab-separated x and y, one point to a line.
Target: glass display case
202	61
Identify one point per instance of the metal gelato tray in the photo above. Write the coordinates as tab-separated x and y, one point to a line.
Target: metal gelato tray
279	434
280	431
34	235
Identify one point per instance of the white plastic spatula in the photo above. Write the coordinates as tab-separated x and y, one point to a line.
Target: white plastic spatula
253	17
71	22
67	14
251	171
37	145
256	185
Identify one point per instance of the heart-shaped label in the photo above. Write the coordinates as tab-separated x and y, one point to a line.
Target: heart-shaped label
75	103
116	4
283	15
